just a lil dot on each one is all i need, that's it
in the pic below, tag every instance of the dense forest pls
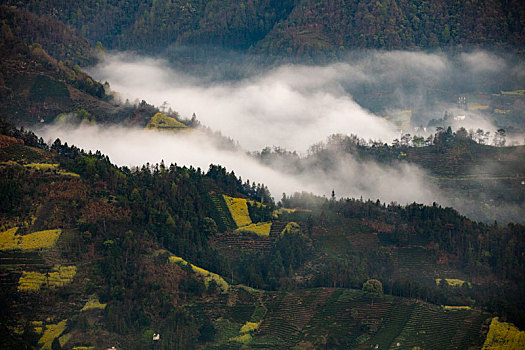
(291, 28)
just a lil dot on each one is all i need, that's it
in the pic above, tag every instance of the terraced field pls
(238, 210)
(236, 242)
(221, 213)
(10, 240)
(348, 319)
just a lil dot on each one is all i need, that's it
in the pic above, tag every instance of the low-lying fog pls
(295, 106)
(290, 106)
(135, 147)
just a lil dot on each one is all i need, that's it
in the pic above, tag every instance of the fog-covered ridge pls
(294, 106)
(348, 177)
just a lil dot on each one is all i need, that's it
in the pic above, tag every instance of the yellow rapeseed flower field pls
(37, 326)
(249, 327)
(8, 239)
(277, 212)
(291, 227)
(32, 281)
(455, 308)
(239, 210)
(61, 275)
(260, 228)
(515, 92)
(93, 303)
(503, 335)
(37, 240)
(64, 339)
(42, 166)
(454, 282)
(244, 338)
(52, 331)
(67, 173)
(162, 122)
(207, 275)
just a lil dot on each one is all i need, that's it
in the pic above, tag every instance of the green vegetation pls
(45, 88)
(483, 181)
(289, 27)
(354, 274)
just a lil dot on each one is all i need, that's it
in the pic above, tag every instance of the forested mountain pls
(292, 28)
(482, 181)
(95, 255)
(163, 256)
(38, 86)
(58, 39)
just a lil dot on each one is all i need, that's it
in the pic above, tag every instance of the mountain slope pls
(105, 277)
(58, 39)
(293, 28)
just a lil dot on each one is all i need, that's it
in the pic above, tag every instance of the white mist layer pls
(349, 178)
(291, 106)
(295, 106)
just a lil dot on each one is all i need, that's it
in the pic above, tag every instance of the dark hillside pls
(36, 88)
(301, 28)
(56, 38)
(95, 255)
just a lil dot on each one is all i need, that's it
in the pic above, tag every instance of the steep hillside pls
(56, 38)
(39, 88)
(292, 28)
(100, 256)
(326, 27)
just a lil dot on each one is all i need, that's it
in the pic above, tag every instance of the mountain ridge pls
(303, 28)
